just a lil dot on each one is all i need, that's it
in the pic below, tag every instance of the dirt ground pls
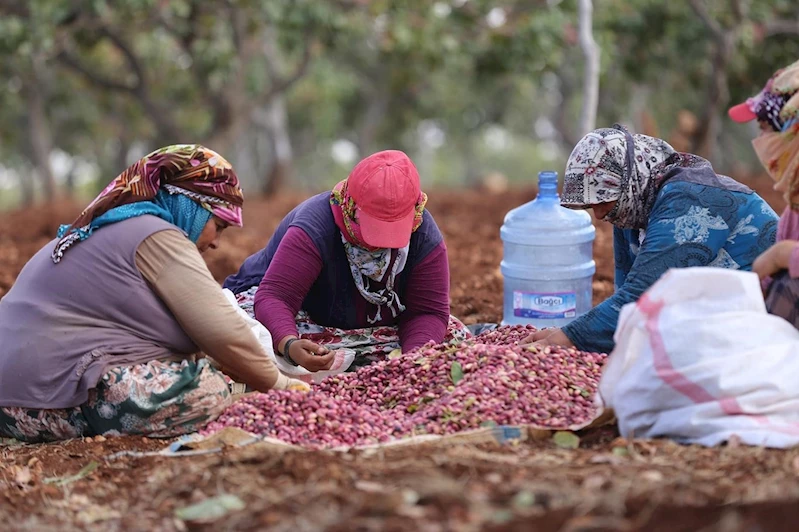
(606, 484)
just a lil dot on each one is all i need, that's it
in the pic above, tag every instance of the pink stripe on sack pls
(666, 371)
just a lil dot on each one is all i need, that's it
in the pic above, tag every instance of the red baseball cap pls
(776, 104)
(742, 112)
(385, 188)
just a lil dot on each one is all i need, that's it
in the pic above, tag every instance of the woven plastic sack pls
(699, 360)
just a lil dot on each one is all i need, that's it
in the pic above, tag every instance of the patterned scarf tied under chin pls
(184, 184)
(610, 164)
(374, 270)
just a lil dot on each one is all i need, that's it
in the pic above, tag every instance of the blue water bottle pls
(548, 260)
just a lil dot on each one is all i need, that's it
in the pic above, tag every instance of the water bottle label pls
(544, 306)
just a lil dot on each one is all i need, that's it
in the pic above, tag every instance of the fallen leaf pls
(523, 499)
(566, 440)
(594, 482)
(84, 472)
(94, 514)
(456, 372)
(23, 476)
(501, 517)
(371, 487)
(621, 451)
(210, 509)
(493, 478)
(612, 459)
(652, 476)
(395, 354)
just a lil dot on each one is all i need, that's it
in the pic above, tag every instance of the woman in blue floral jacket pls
(669, 210)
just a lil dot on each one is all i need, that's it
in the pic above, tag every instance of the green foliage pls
(122, 77)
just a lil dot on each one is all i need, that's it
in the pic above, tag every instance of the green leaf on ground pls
(210, 509)
(566, 440)
(63, 481)
(523, 499)
(456, 372)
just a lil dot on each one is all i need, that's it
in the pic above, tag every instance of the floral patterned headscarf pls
(188, 170)
(777, 106)
(610, 164)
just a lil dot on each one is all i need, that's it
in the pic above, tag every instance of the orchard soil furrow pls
(606, 484)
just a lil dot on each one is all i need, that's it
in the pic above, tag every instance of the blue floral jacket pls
(690, 225)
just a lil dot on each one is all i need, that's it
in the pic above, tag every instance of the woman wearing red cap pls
(361, 267)
(776, 108)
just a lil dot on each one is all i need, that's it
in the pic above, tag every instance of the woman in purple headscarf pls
(104, 330)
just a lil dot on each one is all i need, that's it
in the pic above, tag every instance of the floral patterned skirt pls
(156, 399)
(369, 343)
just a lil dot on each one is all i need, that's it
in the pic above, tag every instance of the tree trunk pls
(26, 188)
(39, 133)
(705, 143)
(376, 109)
(591, 74)
(276, 123)
(473, 170)
(69, 181)
(564, 124)
(121, 158)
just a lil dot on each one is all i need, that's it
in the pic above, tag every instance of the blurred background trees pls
(294, 92)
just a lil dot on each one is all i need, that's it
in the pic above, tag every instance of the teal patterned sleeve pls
(622, 255)
(686, 228)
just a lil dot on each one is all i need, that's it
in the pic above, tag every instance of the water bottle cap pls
(548, 183)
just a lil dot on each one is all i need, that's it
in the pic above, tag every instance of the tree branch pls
(591, 73)
(237, 23)
(14, 7)
(281, 82)
(781, 27)
(92, 77)
(740, 9)
(285, 83)
(159, 114)
(715, 28)
(130, 57)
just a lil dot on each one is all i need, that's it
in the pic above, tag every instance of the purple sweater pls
(304, 266)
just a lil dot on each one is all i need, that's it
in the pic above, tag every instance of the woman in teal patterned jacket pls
(669, 210)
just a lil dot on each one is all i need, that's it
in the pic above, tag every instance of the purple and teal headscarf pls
(184, 184)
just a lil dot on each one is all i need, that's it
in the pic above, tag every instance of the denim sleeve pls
(681, 233)
(622, 256)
